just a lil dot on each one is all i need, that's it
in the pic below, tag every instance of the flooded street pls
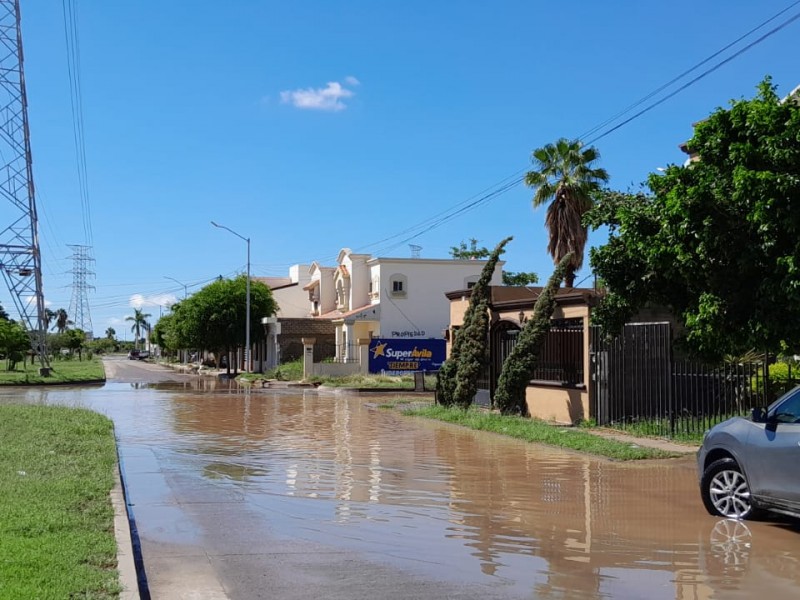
(273, 494)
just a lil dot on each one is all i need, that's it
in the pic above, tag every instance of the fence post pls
(766, 398)
(670, 377)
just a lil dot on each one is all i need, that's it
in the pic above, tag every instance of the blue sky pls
(312, 126)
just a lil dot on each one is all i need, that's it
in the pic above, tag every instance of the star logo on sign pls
(379, 350)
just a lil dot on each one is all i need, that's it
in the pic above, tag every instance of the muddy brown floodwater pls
(299, 495)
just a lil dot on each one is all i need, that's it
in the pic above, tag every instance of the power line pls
(661, 88)
(698, 78)
(72, 37)
(511, 181)
(504, 185)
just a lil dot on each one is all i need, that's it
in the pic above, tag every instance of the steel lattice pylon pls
(20, 260)
(79, 304)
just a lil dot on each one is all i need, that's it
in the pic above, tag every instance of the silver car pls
(750, 465)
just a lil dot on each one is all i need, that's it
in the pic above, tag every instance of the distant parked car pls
(138, 354)
(749, 465)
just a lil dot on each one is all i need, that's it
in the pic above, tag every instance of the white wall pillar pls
(349, 341)
(308, 357)
(363, 355)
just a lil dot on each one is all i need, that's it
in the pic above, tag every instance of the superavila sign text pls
(391, 355)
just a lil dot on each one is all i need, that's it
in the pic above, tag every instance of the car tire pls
(725, 490)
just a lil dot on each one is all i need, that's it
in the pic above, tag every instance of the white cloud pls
(330, 98)
(139, 301)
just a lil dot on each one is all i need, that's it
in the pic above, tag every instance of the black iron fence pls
(637, 384)
(561, 356)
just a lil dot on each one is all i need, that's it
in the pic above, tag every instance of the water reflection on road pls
(434, 500)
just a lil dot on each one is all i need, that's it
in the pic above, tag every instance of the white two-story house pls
(368, 297)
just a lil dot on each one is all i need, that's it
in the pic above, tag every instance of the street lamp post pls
(247, 315)
(185, 294)
(185, 351)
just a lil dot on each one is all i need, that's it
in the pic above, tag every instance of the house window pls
(469, 282)
(399, 285)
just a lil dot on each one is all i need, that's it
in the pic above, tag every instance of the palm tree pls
(49, 315)
(62, 320)
(139, 322)
(565, 177)
(110, 333)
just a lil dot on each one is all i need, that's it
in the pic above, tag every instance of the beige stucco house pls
(559, 390)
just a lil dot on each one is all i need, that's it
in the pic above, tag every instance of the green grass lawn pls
(63, 371)
(534, 430)
(686, 429)
(56, 519)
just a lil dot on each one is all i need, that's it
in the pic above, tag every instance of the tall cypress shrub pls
(519, 365)
(471, 339)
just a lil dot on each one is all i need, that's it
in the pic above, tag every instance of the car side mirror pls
(759, 415)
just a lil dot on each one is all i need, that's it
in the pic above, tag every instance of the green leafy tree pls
(469, 252)
(520, 363)
(103, 345)
(451, 371)
(472, 251)
(165, 335)
(214, 318)
(520, 279)
(14, 341)
(75, 340)
(111, 333)
(718, 241)
(140, 323)
(564, 176)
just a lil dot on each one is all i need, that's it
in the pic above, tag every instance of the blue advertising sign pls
(405, 355)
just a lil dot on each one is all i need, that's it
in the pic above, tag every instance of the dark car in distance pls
(138, 354)
(749, 465)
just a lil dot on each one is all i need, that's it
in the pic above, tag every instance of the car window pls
(787, 410)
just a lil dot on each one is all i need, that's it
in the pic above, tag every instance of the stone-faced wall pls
(293, 330)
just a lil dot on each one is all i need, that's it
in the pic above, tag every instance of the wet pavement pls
(272, 494)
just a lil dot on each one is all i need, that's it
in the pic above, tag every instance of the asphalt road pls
(295, 495)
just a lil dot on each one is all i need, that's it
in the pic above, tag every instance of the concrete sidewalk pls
(657, 443)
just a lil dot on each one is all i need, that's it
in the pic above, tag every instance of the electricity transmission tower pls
(20, 260)
(79, 304)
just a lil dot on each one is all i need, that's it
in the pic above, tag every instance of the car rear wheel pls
(725, 490)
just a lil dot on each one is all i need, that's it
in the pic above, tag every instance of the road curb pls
(126, 566)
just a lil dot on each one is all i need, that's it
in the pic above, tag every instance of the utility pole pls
(79, 304)
(20, 258)
(247, 308)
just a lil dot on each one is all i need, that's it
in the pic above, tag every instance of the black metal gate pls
(631, 373)
(502, 338)
(634, 380)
